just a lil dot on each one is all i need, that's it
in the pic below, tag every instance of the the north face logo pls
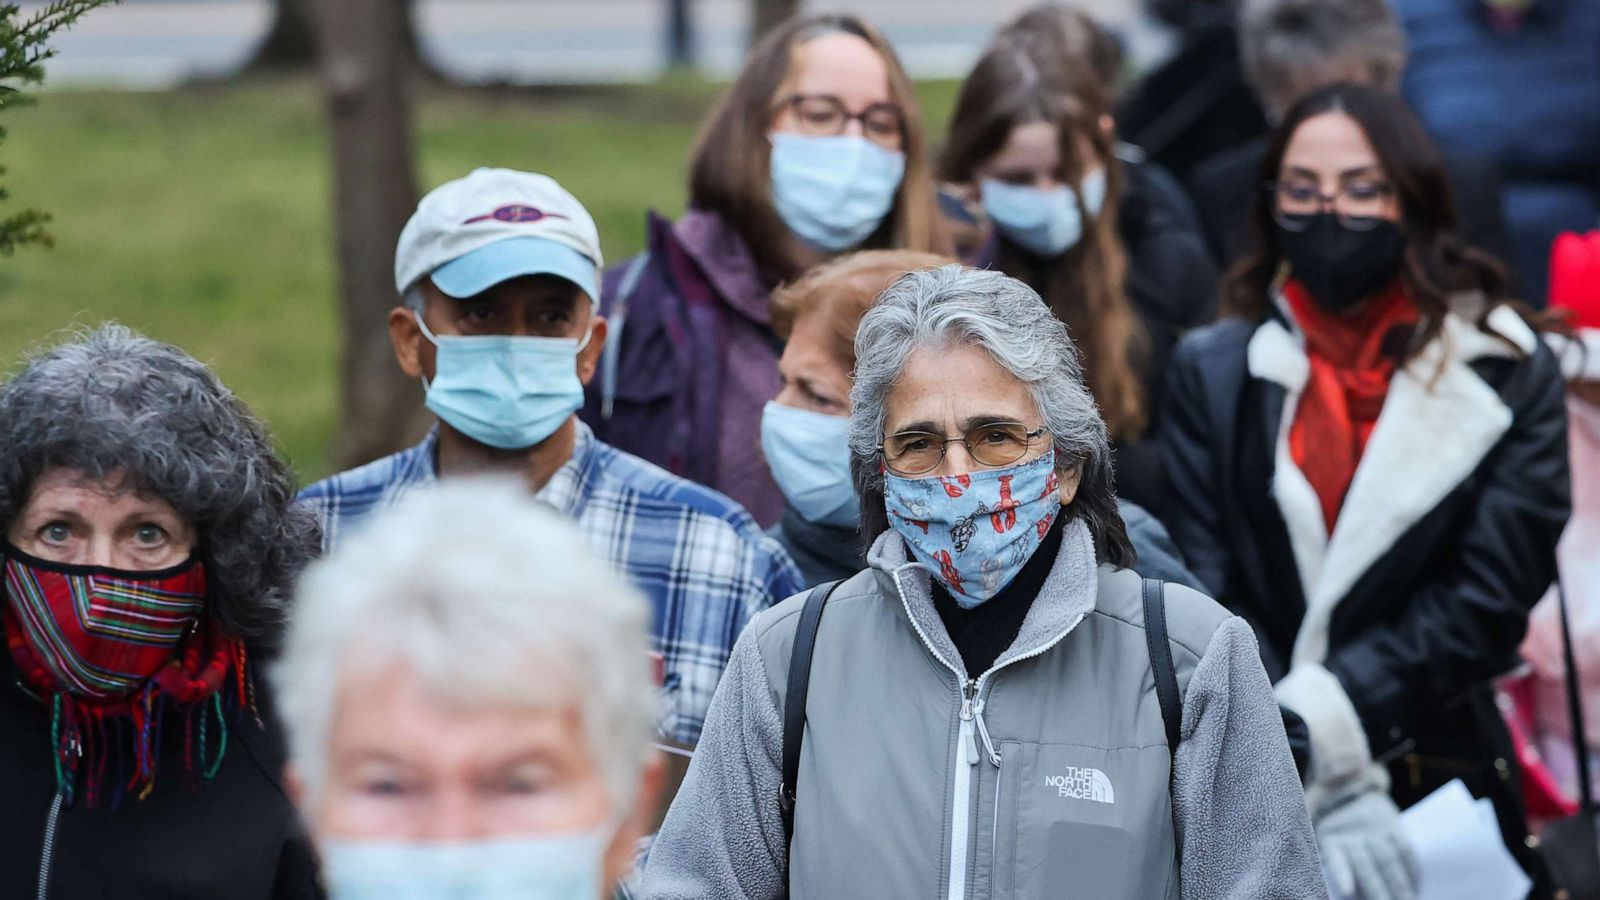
(1083, 784)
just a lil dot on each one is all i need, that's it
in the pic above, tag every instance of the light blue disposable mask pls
(505, 391)
(809, 454)
(833, 191)
(1045, 223)
(976, 531)
(563, 867)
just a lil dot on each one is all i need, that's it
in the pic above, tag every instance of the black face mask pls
(1340, 266)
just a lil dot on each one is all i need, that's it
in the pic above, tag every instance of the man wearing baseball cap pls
(498, 274)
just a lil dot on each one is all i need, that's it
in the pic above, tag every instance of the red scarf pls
(110, 652)
(1352, 361)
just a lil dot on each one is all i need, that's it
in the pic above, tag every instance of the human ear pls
(1070, 480)
(407, 339)
(589, 356)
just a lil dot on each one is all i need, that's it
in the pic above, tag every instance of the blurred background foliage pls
(201, 215)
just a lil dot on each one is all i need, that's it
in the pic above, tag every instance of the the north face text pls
(1082, 784)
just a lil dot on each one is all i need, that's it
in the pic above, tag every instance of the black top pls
(1194, 104)
(235, 837)
(823, 553)
(1172, 287)
(987, 630)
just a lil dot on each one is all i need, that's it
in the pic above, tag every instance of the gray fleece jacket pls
(1047, 776)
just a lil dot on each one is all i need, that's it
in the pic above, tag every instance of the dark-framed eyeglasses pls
(825, 115)
(993, 444)
(1360, 204)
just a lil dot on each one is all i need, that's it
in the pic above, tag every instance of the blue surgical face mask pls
(562, 867)
(976, 531)
(809, 454)
(504, 391)
(833, 191)
(1045, 223)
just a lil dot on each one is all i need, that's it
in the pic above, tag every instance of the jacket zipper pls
(966, 752)
(46, 857)
(966, 756)
(972, 725)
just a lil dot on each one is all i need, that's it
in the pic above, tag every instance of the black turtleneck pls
(984, 632)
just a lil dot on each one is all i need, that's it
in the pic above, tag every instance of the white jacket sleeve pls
(1241, 818)
(723, 835)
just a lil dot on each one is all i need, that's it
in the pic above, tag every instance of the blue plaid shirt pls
(699, 558)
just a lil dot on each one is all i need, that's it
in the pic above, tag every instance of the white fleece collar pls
(1438, 422)
(1580, 356)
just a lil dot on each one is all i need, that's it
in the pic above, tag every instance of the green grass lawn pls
(201, 216)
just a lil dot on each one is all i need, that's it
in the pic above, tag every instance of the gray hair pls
(488, 597)
(954, 305)
(118, 406)
(1290, 48)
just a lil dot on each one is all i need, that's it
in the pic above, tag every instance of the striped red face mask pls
(97, 633)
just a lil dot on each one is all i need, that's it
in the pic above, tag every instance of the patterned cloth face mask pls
(98, 633)
(975, 531)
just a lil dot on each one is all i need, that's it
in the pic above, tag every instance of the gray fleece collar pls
(1067, 596)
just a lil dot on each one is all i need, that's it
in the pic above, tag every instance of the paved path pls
(156, 43)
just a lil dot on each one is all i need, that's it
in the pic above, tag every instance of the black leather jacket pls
(1441, 607)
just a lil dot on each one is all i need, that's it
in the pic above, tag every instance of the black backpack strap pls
(794, 702)
(1155, 635)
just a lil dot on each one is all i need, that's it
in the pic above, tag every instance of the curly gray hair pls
(952, 304)
(111, 403)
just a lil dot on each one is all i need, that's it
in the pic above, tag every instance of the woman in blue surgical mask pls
(815, 150)
(804, 429)
(1030, 163)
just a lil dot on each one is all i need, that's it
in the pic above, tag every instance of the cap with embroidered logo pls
(493, 225)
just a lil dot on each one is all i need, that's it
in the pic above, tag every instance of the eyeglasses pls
(826, 115)
(1360, 203)
(994, 444)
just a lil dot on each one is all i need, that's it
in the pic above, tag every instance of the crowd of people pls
(1110, 497)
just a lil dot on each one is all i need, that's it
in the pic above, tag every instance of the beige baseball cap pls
(493, 225)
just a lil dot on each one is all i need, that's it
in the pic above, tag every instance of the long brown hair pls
(1439, 265)
(729, 171)
(1085, 286)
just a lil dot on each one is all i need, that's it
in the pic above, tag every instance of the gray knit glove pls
(1365, 854)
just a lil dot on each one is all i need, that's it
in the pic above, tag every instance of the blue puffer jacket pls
(1525, 94)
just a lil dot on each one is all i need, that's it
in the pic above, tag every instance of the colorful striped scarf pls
(110, 651)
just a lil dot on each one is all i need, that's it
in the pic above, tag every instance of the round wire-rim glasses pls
(992, 444)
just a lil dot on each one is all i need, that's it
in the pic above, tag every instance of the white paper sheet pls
(1458, 847)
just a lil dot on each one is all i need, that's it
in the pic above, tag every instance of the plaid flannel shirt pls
(698, 557)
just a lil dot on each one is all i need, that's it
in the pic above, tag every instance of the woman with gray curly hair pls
(149, 539)
(988, 710)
